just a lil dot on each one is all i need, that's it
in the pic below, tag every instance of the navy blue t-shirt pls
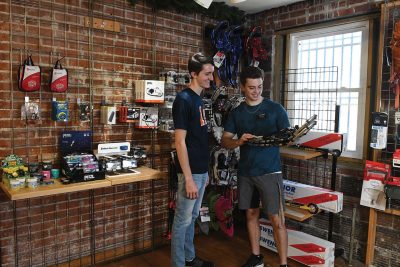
(266, 118)
(188, 114)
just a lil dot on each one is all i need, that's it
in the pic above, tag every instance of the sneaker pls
(197, 262)
(254, 261)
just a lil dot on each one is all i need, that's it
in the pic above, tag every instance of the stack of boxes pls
(304, 248)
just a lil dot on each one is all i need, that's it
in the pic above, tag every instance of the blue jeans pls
(186, 213)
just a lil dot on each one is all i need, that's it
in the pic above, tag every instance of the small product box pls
(148, 118)
(149, 91)
(59, 110)
(108, 114)
(373, 189)
(309, 195)
(128, 113)
(78, 163)
(304, 248)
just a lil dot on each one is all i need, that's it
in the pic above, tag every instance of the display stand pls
(146, 174)
(301, 154)
(388, 15)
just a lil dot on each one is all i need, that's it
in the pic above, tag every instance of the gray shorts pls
(268, 187)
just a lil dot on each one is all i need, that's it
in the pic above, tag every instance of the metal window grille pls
(311, 91)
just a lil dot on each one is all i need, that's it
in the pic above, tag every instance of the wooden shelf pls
(296, 153)
(392, 211)
(53, 189)
(297, 214)
(144, 174)
(59, 188)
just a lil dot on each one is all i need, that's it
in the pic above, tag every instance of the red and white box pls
(321, 140)
(308, 195)
(302, 247)
(373, 189)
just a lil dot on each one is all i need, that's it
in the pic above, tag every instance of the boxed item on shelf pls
(115, 159)
(108, 114)
(322, 140)
(309, 195)
(148, 118)
(373, 189)
(149, 91)
(302, 247)
(128, 113)
(78, 163)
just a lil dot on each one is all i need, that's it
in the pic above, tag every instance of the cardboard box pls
(321, 140)
(149, 91)
(373, 189)
(308, 195)
(302, 247)
(108, 114)
(148, 118)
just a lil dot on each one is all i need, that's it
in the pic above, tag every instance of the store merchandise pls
(302, 247)
(30, 111)
(148, 118)
(78, 162)
(149, 91)
(373, 189)
(108, 114)
(312, 198)
(115, 158)
(84, 111)
(58, 78)
(14, 172)
(59, 111)
(29, 76)
(128, 113)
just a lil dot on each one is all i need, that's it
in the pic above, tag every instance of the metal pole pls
(353, 226)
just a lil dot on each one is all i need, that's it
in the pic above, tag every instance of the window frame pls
(364, 27)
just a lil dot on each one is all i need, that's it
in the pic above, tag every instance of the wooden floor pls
(222, 250)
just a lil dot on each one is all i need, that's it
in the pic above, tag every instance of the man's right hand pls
(191, 189)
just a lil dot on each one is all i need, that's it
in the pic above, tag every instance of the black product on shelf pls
(78, 163)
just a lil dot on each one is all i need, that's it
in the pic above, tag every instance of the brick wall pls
(349, 176)
(102, 66)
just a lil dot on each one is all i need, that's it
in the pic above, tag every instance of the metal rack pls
(306, 92)
(105, 220)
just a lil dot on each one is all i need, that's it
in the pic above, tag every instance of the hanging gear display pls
(224, 212)
(58, 78)
(84, 111)
(223, 166)
(284, 136)
(227, 41)
(255, 53)
(30, 111)
(379, 130)
(221, 106)
(29, 76)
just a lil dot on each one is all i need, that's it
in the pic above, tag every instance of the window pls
(345, 49)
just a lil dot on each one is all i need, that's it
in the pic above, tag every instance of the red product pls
(58, 78)
(29, 76)
(376, 171)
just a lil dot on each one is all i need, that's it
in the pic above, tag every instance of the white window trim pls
(362, 26)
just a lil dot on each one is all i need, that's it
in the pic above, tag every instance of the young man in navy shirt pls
(191, 141)
(259, 175)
